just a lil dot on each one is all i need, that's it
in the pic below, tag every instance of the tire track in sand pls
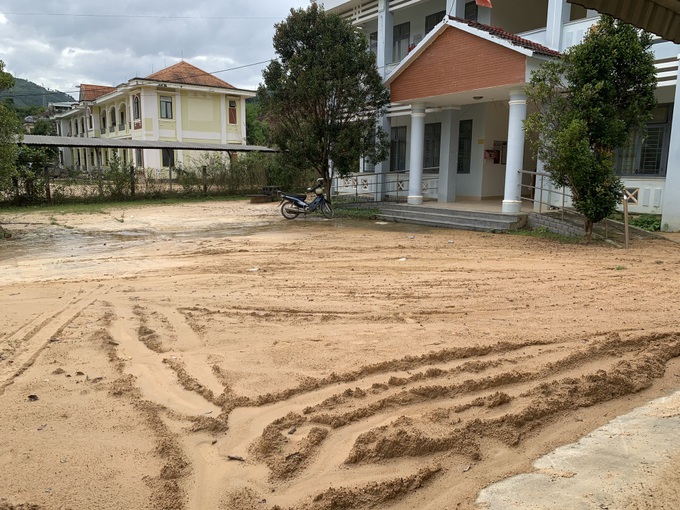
(155, 379)
(38, 338)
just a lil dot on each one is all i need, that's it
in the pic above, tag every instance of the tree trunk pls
(588, 225)
(326, 174)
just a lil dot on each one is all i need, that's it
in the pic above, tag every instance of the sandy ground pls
(217, 356)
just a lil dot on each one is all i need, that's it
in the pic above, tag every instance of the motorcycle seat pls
(295, 195)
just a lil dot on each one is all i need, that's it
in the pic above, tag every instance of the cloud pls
(65, 43)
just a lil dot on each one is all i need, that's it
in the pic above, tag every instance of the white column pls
(224, 115)
(385, 36)
(415, 179)
(448, 159)
(242, 120)
(558, 15)
(512, 201)
(382, 169)
(178, 117)
(671, 193)
(179, 129)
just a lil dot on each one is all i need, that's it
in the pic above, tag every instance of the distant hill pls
(26, 93)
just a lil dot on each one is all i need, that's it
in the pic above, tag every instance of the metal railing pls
(379, 187)
(545, 188)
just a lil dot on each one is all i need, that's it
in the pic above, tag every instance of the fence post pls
(204, 171)
(48, 193)
(132, 180)
(99, 171)
(625, 219)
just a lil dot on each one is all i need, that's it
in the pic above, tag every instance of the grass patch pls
(544, 233)
(359, 213)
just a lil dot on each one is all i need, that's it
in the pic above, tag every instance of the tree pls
(256, 129)
(323, 96)
(8, 130)
(588, 104)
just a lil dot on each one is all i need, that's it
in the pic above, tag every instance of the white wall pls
(470, 185)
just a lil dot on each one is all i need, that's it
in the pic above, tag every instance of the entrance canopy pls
(660, 17)
(114, 143)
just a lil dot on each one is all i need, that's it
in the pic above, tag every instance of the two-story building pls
(180, 103)
(457, 72)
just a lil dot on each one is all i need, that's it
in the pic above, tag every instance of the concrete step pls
(450, 218)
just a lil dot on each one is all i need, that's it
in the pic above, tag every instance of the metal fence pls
(381, 187)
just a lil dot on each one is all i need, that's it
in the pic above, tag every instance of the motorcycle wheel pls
(289, 211)
(327, 210)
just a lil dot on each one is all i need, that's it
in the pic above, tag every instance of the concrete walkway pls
(630, 463)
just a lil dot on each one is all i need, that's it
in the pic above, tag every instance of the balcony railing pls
(121, 126)
(103, 130)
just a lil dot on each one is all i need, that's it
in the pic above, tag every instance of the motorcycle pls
(292, 205)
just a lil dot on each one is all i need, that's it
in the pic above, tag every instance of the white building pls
(180, 103)
(457, 71)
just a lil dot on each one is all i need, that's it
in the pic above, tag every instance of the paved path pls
(630, 463)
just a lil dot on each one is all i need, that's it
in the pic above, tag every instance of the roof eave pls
(135, 82)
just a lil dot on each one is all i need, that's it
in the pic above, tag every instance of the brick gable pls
(456, 62)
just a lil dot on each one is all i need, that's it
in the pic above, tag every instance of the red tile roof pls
(92, 92)
(512, 38)
(184, 72)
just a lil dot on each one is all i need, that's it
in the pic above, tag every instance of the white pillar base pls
(414, 200)
(512, 206)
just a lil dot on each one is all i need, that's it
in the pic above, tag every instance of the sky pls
(60, 45)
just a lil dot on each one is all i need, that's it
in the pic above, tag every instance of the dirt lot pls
(217, 356)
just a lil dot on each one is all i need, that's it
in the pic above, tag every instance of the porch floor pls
(489, 206)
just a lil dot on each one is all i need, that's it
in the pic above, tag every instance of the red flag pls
(484, 3)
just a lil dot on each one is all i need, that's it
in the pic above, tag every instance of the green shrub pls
(650, 222)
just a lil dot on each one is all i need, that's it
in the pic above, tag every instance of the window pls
(112, 118)
(168, 156)
(398, 149)
(373, 42)
(648, 156)
(122, 118)
(471, 11)
(75, 127)
(139, 156)
(402, 34)
(464, 146)
(433, 140)
(232, 112)
(433, 19)
(166, 107)
(136, 112)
